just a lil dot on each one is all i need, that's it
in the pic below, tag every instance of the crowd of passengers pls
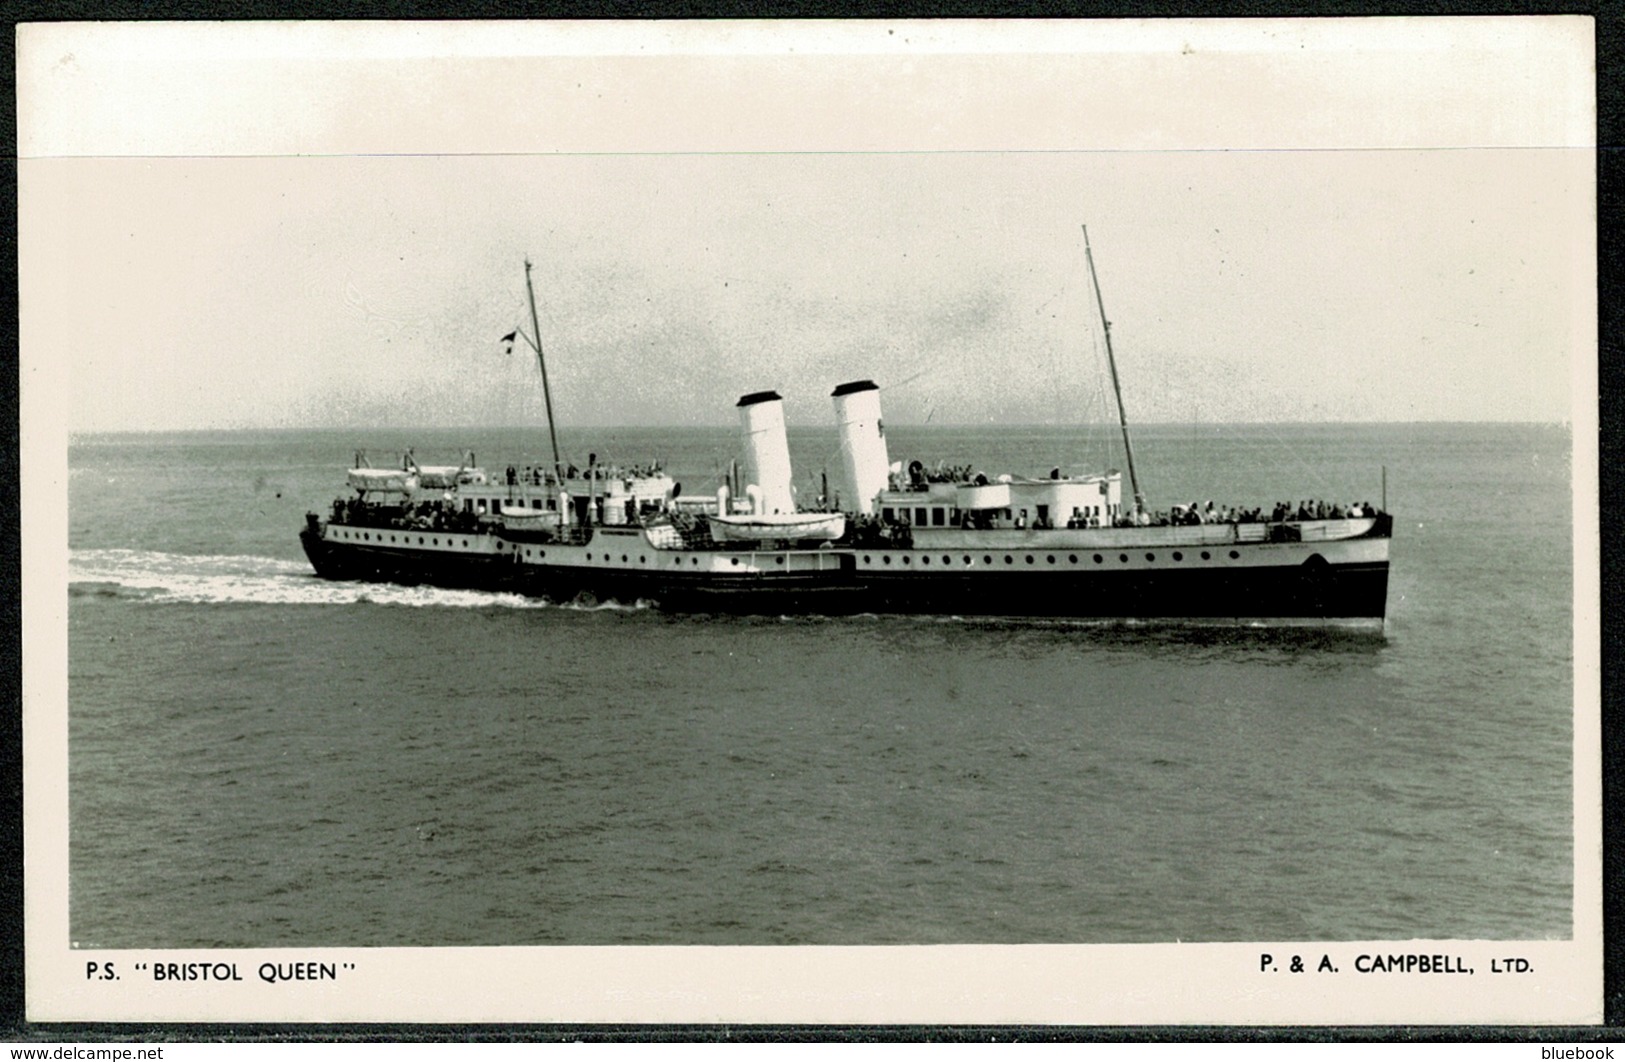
(1283, 512)
(949, 474)
(423, 516)
(537, 475)
(872, 529)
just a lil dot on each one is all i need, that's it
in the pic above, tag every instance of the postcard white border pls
(97, 90)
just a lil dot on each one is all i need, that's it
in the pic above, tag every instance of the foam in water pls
(213, 579)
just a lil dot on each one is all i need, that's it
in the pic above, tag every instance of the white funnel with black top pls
(864, 464)
(767, 451)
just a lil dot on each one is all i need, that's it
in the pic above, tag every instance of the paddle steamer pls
(888, 539)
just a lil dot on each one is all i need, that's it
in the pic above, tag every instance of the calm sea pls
(260, 758)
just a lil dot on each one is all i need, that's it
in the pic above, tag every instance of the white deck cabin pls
(1007, 503)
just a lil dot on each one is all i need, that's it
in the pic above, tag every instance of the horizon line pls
(73, 432)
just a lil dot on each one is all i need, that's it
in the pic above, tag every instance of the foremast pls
(547, 392)
(1117, 388)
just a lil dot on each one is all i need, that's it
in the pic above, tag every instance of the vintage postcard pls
(1077, 522)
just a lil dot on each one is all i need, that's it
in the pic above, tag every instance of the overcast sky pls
(305, 228)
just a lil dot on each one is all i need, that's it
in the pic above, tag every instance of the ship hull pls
(811, 595)
(407, 567)
(1294, 582)
(1261, 593)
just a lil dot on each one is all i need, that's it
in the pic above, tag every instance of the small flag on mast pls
(508, 339)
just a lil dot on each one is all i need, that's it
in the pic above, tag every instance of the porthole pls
(967, 558)
(867, 559)
(1099, 558)
(1123, 557)
(642, 558)
(1206, 555)
(589, 556)
(1072, 558)
(905, 558)
(1030, 559)
(1234, 555)
(776, 560)
(695, 561)
(925, 560)
(420, 540)
(1151, 556)
(392, 538)
(1049, 560)
(986, 559)
(734, 561)
(623, 558)
(886, 559)
(541, 553)
(436, 541)
(1178, 556)
(1009, 559)
(364, 537)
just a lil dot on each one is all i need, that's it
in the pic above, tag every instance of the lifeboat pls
(777, 527)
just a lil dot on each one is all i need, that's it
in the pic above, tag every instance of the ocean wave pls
(220, 579)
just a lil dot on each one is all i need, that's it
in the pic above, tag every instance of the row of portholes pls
(925, 560)
(1072, 558)
(406, 540)
(676, 561)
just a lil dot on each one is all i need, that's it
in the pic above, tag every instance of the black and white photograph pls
(1056, 522)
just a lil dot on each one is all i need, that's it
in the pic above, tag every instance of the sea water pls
(262, 758)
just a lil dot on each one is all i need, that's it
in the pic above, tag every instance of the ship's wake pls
(213, 579)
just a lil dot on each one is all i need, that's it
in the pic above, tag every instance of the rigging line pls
(1318, 477)
(904, 383)
(1096, 408)
(1069, 401)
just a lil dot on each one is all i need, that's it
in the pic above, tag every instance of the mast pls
(1117, 388)
(547, 393)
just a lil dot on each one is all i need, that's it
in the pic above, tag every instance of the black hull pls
(811, 595)
(1312, 592)
(343, 561)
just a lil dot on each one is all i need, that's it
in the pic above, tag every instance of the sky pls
(299, 226)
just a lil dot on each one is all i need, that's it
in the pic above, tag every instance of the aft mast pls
(1117, 389)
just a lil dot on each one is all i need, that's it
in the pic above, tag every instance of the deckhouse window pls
(938, 517)
(496, 505)
(920, 517)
